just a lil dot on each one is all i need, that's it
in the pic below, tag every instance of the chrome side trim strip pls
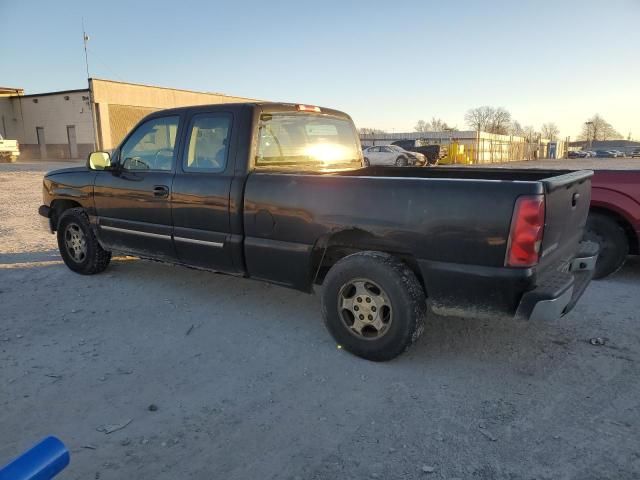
(199, 242)
(136, 232)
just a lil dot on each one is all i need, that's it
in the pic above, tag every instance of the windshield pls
(396, 148)
(305, 141)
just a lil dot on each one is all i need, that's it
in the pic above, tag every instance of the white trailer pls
(9, 150)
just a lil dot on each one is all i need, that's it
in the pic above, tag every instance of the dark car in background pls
(605, 154)
(635, 153)
(433, 153)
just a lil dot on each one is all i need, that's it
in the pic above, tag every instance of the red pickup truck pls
(614, 218)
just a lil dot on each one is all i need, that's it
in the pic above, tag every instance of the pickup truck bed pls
(614, 213)
(441, 220)
(277, 192)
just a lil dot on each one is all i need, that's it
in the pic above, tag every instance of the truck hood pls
(66, 170)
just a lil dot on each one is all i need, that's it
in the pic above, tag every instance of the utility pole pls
(589, 139)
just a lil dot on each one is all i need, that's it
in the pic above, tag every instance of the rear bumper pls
(558, 292)
(499, 292)
(45, 218)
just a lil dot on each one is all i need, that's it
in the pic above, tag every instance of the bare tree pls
(516, 129)
(529, 133)
(489, 119)
(500, 121)
(550, 130)
(478, 118)
(435, 125)
(421, 126)
(370, 131)
(438, 125)
(597, 128)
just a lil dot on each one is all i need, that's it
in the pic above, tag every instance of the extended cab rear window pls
(307, 141)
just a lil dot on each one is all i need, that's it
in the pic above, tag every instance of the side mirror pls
(99, 161)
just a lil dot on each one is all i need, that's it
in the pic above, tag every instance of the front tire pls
(401, 162)
(373, 305)
(78, 244)
(612, 239)
(366, 162)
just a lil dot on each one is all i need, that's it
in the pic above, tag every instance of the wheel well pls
(330, 249)
(58, 207)
(632, 236)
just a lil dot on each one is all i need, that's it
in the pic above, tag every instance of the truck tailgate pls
(567, 199)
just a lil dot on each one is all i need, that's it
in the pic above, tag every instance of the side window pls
(208, 143)
(151, 146)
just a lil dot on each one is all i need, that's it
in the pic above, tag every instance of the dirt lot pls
(248, 384)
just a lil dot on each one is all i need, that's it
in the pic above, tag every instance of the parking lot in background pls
(157, 371)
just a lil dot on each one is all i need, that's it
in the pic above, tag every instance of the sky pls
(387, 64)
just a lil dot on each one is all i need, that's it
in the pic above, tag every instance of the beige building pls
(70, 124)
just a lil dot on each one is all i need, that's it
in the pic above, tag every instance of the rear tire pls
(78, 244)
(386, 296)
(613, 242)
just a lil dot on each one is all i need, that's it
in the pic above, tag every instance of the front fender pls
(72, 186)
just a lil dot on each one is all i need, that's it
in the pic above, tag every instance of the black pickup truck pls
(277, 192)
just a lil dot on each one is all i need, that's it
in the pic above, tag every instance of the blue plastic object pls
(43, 461)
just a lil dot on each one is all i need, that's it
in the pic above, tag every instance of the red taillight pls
(308, 108)
(527, 227)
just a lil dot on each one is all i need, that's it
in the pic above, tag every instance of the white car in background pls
(391, 155)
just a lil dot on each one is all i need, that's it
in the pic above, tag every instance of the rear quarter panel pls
(463, 222)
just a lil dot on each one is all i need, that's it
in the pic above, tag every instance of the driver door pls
(133, 200)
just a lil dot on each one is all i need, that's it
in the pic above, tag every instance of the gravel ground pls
(248, 384)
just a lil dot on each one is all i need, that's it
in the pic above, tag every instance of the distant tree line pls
(370, 131)
(435, 125)
(499, 120)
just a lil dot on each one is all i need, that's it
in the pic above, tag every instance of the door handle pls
(160, 191)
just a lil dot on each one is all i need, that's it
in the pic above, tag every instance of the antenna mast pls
(85, 39)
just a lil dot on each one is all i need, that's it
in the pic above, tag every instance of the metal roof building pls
(70, 124)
